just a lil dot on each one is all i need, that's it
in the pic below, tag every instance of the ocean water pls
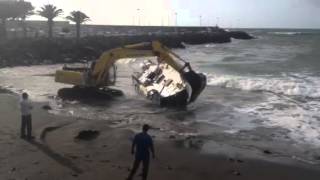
(282, 66)
(272, 82)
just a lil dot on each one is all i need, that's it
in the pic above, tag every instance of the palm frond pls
(50, 11)
(78, 17)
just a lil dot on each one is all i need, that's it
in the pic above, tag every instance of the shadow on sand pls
(55, 156)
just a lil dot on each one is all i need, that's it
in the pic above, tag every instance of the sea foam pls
(305, 86)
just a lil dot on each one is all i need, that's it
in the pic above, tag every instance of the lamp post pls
(217, 21)
(138, 10)
(176, 20)
(162, 21)
(200, 20)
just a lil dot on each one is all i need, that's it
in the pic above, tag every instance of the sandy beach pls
(56, 154)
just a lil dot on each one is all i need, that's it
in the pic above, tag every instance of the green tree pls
(78, 17)
(50, 12)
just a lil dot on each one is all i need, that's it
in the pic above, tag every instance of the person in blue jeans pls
(141, 146)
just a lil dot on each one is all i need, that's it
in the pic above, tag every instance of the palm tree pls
(25, 9)
(50, 12)
(78, 17)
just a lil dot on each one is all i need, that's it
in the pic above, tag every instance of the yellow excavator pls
(168, 81)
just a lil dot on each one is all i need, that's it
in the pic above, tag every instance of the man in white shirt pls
(26, 120)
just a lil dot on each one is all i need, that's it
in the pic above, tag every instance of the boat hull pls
(166, 87)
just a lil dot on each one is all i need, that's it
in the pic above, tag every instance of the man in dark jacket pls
(141, 146)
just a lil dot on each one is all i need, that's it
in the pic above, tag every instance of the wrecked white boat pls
(165, 86)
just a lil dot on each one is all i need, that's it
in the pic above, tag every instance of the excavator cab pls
(81, 75)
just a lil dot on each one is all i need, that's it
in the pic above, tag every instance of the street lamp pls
(162, 21)
(138, 10)
(176, 15)
(200, 20)
(217, 21)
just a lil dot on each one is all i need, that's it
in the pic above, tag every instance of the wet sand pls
(56, 154)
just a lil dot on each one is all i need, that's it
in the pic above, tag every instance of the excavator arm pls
(107, 59)
(98, 74)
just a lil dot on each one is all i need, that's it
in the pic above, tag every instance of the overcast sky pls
(227, 13)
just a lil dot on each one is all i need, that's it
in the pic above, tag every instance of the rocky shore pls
(33, 51)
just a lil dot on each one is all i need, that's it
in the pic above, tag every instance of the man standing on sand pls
(143, 144)
(26, 120)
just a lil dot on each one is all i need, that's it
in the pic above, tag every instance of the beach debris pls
(13, 169)
(71, 112)
(190, 137)
(267, 152)
(47, 107)
(236, 173)
(73, 156)
(169, 168)
(5, 91)
(74, 175)
(51, 97)
(195, 144)
(35, 162)
(239, 161)
(235, 160)
(317, 157)
(105, 161)
(87, 135)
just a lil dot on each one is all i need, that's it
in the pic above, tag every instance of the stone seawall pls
(61, 50)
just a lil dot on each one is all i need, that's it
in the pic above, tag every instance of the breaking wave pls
(293, 33)
(291, 85)
(287, 33)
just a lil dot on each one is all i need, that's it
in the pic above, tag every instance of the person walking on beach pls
(26, 119)
(141, 146)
